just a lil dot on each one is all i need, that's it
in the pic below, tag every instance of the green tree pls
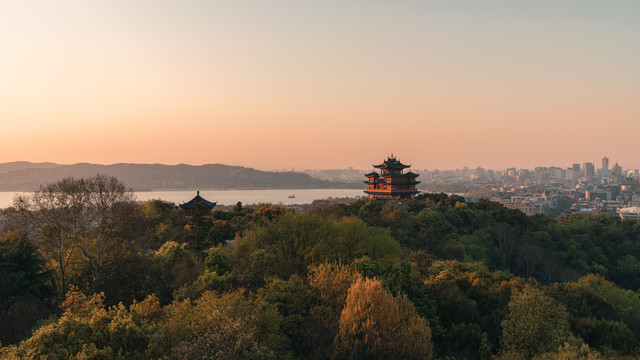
(608, 336)
(293, 300)
(289, 243)
(535, 323)
(157, 222)
(626, 301)
(198, 229)
(569, 352)
(174, 266)
(87, 329)
(216, 326)
(26, 287)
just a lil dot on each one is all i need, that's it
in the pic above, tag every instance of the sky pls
(301, 84)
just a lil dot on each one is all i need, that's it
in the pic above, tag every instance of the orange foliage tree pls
(374, 324)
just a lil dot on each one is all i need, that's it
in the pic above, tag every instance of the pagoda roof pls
(391, 163)
(373, 173)
(198, 200)
(408, 174)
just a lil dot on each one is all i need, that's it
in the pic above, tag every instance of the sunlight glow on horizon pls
(320, 85)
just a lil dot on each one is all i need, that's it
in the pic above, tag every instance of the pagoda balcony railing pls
(392, 190)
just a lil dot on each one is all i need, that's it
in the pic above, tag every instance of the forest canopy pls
(86, 271)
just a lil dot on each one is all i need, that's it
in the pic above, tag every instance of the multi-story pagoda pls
(197, 202)
(392, 182)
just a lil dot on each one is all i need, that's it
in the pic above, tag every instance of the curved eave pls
(400, 175)
(390, 192)
(394, 166)
(191, 206)
(198, 200)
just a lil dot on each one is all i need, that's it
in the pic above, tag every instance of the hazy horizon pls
(597, 164)
(321, 85)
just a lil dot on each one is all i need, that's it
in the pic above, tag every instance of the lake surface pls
(231, 197)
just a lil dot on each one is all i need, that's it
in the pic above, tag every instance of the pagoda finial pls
(198, 192)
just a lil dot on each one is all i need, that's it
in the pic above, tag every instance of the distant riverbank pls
(231, 197)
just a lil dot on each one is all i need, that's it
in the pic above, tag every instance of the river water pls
(231, 197)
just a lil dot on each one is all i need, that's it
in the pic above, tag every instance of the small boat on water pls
(292, 196)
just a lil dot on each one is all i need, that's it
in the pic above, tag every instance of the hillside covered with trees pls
(25, 176)
(86, 272)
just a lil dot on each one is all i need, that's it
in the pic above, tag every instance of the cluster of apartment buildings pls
(581, 188)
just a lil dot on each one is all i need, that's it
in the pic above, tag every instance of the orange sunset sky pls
(321, 84)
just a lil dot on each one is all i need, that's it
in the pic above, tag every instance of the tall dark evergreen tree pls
(26, 288)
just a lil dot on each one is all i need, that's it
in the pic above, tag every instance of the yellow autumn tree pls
(332, 282)
(375, 325)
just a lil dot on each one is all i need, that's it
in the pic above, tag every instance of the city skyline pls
(320, 85)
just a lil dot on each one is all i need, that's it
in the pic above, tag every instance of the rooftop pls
(198, 200)
(391, 163)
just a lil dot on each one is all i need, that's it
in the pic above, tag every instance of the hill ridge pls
(25, 176)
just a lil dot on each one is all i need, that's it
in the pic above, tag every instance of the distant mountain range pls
(26, 176)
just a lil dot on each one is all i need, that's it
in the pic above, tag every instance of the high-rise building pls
(616, 170)
(576, 171)
(589, 169)
(605, 163)
(556, 173)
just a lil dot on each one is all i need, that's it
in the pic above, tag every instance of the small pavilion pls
(189, 207)
(392, 182)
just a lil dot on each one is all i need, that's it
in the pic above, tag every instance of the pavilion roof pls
(198, 200)
(391, 163)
